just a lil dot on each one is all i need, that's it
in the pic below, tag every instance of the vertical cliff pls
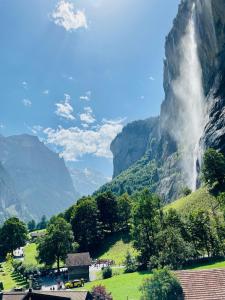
(192, 114)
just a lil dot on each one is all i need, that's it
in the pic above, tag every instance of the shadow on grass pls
(18, 279)
(204, 263)
(109, 241)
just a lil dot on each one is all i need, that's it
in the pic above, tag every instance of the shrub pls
(130, 263)
(99, 292)
(163, 285)
(106, 272)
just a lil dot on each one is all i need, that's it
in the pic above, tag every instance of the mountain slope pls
(40, 177)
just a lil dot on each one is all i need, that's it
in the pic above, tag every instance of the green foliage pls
(107, 206)
(213, 167)
(163, 285)
(146, 218)
(13, 235)
(130, 263)
(124, 206)
(106, 272)
(186, 191)
(142, 174)
(56, 244)
(86, 226)
(31, 225)
(43, 224)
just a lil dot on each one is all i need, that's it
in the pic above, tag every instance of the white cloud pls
(151, 78)
(25, 84)
(86, 97)
(65, 15)
(142, 97)
(27, 102)
(64, 109)
(36, 129)
(46, 92)
(76, 142)
(2, 126)
(87, 116)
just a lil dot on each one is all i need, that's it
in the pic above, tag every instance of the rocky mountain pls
(86, 181)
(34, 180)
(192, 118)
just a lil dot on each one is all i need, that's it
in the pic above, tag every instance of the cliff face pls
(40, 178)
(122, 147)
(192, 114)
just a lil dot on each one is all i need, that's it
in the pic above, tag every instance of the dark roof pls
(203, 284)
(65, 295)
(78, 259)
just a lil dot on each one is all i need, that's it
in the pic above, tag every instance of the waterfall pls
(189, 99)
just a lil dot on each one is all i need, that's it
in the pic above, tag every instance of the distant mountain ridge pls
(86, 181)
(34, 179)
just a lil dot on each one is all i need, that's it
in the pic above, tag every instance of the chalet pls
(78, 265)
(37, 234)
(46, 295)
(203, 284)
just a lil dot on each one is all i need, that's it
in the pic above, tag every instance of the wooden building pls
(78, 265)
(202, 284)
(46, 295)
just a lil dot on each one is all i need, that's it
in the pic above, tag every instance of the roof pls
(78, 259)
(37, 233)
(65, 295)
(203, 284)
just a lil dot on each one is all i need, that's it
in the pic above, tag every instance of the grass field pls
(201, 199)
(30, 254)
(127, 285)
(122, 287)
(9, 278)
(115, 247)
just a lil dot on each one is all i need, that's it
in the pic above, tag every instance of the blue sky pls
(74, 72)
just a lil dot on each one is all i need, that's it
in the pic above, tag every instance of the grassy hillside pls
(201, 199)
(115, 247)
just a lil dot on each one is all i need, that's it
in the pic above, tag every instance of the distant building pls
(78, 265)
(36, 234)
(46, 295)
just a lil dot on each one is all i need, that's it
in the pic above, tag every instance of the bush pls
(107, 272)
(99, 292)
(163, 285)
(130, 263)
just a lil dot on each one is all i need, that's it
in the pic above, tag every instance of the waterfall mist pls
(189, 97)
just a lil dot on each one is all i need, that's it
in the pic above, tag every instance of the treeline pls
(162, 237)
(94, 218)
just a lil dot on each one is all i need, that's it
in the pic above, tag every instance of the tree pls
(201, 235)
(146, 223)
(173, 250)
(56, 244)
(43, 224)
(107, 206)
(31, 225)
(13, 235)
(86, 226)
(163, 285)
(99, 293)
(124, 212)
(130, 263)
(213, 167)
